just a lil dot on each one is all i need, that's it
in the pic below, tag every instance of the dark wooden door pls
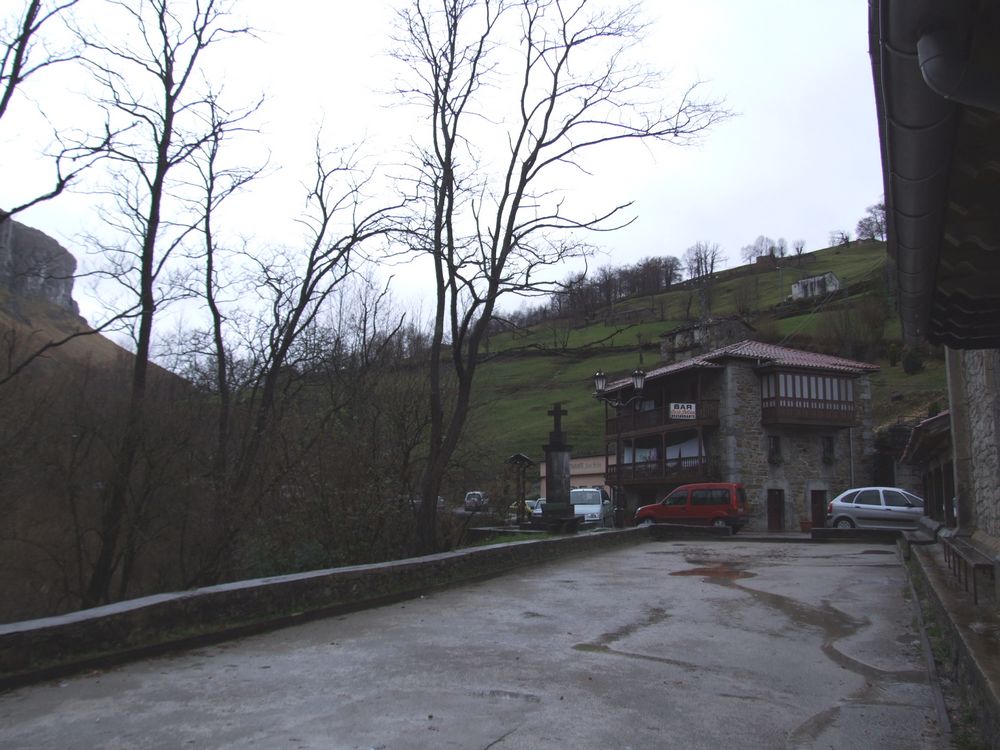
(817, 502)
(775, 510)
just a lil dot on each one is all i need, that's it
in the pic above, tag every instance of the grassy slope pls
(517, 388)
(35, 322)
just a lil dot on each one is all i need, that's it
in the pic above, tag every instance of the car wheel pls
(843, 523)
(644, 522)
(719, 523)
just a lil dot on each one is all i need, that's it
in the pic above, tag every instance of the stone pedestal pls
(557, 513)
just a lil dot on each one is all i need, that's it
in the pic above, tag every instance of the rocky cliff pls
(32, 264)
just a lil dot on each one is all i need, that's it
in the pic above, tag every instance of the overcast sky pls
(799, 160)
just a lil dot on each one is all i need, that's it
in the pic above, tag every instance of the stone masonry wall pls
(802, 468)
(981, 369)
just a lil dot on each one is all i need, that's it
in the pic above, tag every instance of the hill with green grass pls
(527, 371)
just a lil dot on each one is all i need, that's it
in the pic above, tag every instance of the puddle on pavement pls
(722, 571)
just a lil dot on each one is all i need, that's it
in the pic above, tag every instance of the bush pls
(893, 354)
(913, 361)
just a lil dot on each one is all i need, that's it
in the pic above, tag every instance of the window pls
(894, 499)
(676, 498)
(868, 497)
(900, 499)
(828, 445)
(709, 497)
(774, 449)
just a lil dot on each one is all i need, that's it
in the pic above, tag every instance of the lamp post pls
(618, 403)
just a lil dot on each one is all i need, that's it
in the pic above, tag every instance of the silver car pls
(592, 507)
(875, 508)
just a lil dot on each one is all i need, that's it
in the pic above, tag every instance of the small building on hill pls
(794, 427)
(815, 286)
(702, 336)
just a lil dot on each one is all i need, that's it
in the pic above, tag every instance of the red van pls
(700, 504)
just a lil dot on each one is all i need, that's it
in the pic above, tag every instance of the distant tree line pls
(581, 295)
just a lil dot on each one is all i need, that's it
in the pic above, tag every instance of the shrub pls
(913, 361)
(893, 354)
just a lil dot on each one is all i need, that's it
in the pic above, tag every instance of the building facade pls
(936, 70)
(794, 427)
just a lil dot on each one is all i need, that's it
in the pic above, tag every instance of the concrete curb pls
(52, 647)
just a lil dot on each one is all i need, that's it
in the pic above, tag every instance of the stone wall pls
(153, 624)
(981, 370)
(802, 467)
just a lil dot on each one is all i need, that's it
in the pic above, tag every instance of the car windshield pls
(585, 497)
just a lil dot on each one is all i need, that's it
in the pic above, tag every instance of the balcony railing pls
(807, 411)
(670, 469)
(636, 421)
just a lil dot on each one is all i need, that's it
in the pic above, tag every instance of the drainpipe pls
(948, 71)
(850, 443)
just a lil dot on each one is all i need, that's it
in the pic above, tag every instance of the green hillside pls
(554, 362)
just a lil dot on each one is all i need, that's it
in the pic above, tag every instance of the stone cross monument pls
(557, 512)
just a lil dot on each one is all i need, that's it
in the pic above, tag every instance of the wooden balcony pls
(678, 470)
(784, 410)
(706, 413)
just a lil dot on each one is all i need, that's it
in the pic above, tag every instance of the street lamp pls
(618, 403)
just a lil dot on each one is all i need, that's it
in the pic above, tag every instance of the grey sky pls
(801, 159)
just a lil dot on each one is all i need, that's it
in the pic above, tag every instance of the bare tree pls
(871, 226)
(799, 246)
(553, 75)
(701, 259)
(150, 77)
(839, 237)
(24, 53)
(292, 289)
(763, 245)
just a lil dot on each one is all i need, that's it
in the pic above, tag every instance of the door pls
(674, 508)
(775, 510)
(817, 504)
(868, 509)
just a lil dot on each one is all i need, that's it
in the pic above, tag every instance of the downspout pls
(850, 445)
(948, 71)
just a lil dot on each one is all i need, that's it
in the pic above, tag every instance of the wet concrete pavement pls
(693, 644)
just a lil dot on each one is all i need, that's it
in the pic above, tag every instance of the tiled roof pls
(764, 354)
(783, 356)
(939, 136)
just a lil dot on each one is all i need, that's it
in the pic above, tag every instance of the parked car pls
(592, 507)
(536, 511)
(875, 508)
(699, 504)
(416, 503)
(529, 506)
(476, 500)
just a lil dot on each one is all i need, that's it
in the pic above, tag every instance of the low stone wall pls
(48, 647)
(970, 633)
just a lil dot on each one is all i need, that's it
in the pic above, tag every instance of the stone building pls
(936, 71)
(585, 471)
(701, 336)
(929, 449)
(794, 427)
(815, 286)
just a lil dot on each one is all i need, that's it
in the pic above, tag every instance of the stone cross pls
(557, 440)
